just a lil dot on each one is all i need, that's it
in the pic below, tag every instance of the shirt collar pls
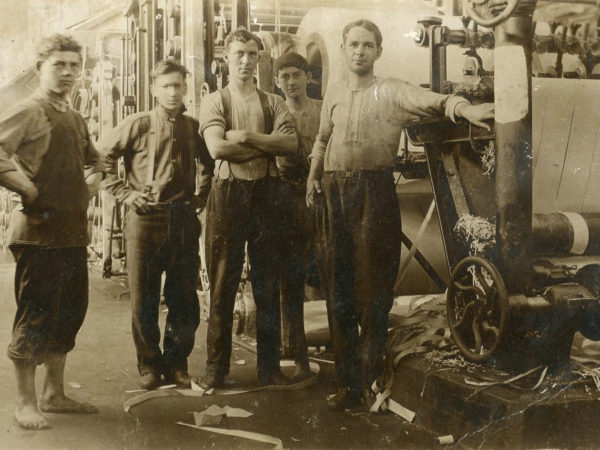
(162, 112)
(59, 105)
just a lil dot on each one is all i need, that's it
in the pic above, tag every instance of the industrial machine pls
(518, 208)
(521, 283)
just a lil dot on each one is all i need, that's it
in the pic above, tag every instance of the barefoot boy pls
(45, 155)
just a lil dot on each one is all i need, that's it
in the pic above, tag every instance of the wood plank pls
(553, 144)
(591, 201)
(538, 106)
(580, 151)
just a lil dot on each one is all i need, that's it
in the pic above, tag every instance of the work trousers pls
(163, 242)
(51, 289)
(359, 240)
(240, 211)
(296, 232)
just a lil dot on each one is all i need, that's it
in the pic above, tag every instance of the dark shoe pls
(180, 377)
(211, 380)
(368, 398)
(302, 372)
(344, 398)
(150, 380)
(275, 378)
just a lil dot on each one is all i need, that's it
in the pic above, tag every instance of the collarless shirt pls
(360, 128)
(246, 114)
(177, 145)
(25, 135)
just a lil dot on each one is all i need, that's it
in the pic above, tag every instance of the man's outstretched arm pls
(476, 114)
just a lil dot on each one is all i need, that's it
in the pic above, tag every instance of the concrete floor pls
(102, 368)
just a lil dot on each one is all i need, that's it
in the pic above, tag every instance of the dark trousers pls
(157, 243)
(296, 227)
(51, 289)
(240, 211)
(360, 243)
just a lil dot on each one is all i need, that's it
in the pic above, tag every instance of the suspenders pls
(152, 145)
(266, 110)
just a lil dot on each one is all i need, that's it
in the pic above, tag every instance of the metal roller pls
(566, 233)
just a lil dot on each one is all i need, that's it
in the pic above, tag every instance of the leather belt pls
(359, 174)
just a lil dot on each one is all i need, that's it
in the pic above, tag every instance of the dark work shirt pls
(49, 143)
(179, 149)
(25, 135)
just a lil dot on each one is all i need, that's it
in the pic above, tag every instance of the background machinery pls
(522, 281)
(516, 235)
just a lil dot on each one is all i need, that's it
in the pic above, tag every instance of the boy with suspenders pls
(245, 129)
(161, 149)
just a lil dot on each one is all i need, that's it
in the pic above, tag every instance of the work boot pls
(150, 380)
(180, 377)
(344, 398)
(211, 380)
(302, 372)
(274, 378)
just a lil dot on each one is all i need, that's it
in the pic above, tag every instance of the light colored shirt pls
(360, 129)
(307, 126)
(246, 115)
(179, 146)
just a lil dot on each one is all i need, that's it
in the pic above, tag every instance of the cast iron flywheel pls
(477, 307)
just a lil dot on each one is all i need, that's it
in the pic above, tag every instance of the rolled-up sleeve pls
(206, 167)
(451, 104)
(111, 147)
(211, 112)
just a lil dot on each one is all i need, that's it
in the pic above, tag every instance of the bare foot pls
(29, 418)
(65, 405)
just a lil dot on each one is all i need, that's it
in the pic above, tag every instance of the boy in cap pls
(292, 76)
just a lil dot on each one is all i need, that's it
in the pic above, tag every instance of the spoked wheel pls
(477, 307)
(483, 12)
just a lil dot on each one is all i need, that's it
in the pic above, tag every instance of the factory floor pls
(102, 369)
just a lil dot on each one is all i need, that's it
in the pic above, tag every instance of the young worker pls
(47, 158)
(162, 150)
(292, 77)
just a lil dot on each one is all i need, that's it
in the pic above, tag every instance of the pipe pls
(513, 184)
(566, 233)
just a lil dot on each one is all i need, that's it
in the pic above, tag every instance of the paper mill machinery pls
(521, 283)
(520, 239)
